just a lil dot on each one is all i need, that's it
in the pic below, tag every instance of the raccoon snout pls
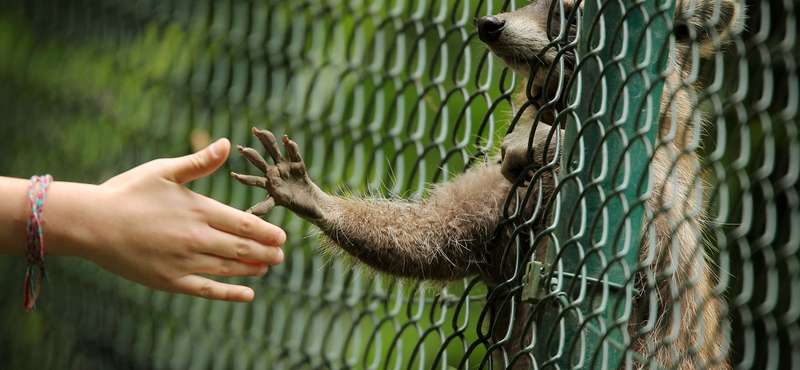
(490, 28)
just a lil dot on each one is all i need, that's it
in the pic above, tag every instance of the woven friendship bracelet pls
(34, 240)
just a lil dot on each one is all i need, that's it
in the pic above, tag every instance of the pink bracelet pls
(34, 240)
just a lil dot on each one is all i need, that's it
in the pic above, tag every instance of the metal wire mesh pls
(385, 98)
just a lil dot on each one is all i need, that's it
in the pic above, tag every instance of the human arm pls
(144, 225)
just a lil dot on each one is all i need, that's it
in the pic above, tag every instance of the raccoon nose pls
(490, 28)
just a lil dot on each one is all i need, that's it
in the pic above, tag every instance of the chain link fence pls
(387, 97)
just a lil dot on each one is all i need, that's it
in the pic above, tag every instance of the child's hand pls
(149, 228)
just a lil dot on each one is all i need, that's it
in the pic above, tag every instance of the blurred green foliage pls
(81, 111)
(88, 90)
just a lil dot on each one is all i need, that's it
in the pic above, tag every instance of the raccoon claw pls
(286, 180)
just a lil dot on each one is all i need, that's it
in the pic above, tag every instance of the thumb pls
(194, 166)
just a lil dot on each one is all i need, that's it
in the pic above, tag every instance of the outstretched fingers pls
(262, 207)
(249, 180)
(292, 150)
(254, 157)
(206, 288)
(270, 144)
(242, 233)
(294, 166)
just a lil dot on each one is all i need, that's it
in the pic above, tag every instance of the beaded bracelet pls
(34, 240)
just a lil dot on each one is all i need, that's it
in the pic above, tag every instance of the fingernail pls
(279, 255)
(215, 148)
(263, 270)
(282, 238)
(247, 294)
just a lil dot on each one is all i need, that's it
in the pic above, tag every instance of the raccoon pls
(460, 229)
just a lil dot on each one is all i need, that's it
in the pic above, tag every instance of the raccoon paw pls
(286, 181)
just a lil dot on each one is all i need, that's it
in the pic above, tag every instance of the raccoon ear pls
(708, 24)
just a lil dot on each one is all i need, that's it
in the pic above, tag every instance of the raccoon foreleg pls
(445, 236)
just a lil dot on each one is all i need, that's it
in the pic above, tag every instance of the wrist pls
(15, 211)
(67, 221)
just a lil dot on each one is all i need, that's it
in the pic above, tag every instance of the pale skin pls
(145, 226)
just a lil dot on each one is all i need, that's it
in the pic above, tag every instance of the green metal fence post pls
(593, 252)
